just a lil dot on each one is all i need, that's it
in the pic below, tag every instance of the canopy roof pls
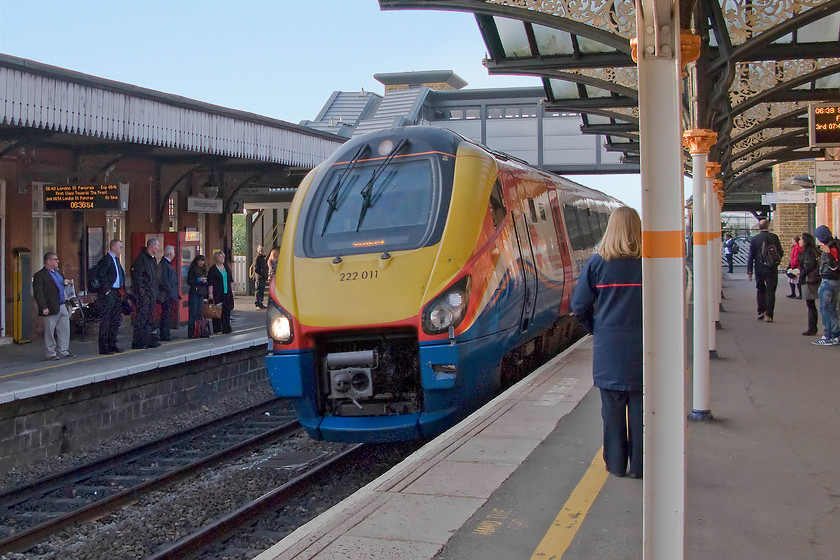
(761, 63)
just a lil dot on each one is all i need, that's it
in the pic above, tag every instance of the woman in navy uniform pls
(607, 301)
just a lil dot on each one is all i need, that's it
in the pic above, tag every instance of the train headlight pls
(279, 324)
(448, 309)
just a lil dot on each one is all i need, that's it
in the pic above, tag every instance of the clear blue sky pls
(278, 58)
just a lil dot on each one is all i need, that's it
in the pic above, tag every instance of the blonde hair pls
(623, 238)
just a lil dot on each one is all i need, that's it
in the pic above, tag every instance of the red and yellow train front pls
(387, 313)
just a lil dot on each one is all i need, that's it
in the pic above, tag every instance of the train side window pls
(595, 226)
(497, 204)
(533, 210)
(572, 226)
(604, 218)
(542, 212)
(585, 227)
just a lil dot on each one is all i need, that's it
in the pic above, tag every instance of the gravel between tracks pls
(142, 434)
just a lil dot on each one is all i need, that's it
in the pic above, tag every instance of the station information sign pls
(81, 197)
(824, 125)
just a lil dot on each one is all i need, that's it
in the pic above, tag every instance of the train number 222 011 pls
(363, 275)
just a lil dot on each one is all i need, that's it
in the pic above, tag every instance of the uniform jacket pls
(214, 279)
(46, 292)
(168, 280)
(754, 256)
(144, 275)
(607, 302)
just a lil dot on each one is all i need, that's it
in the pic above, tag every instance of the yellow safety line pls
(45, 368)
(565, 526)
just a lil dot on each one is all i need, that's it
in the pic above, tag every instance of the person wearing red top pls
(793, 278)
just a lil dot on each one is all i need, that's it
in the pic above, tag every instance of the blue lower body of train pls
(456, 378)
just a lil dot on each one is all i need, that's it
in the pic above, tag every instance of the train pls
(417, 269)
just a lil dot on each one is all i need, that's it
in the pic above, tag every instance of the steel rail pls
(221, 529)
(30, 537)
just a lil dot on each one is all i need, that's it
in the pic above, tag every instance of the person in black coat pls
(169, 296)
(197, 281)
(607, 302)
(766, 276)
(110, 278)
(809, 278)
(220, 279)
(260, 268)
(144, 286)
(48, 289)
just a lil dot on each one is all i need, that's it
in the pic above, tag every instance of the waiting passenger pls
(607, 302)
(220, 279)
(793, 276)
(197, 281)
(809, 278)
(48, 286)
(765, 255)
(828, 291)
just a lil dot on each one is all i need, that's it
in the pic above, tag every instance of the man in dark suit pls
(144, 286)
(168, 290)
(111, 277)
(48, 288)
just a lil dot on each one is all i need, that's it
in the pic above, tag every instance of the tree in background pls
(240, 236)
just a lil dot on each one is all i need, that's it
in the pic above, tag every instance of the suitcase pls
(201, 328)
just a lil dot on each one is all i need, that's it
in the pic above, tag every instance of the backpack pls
(735, 248)
(770, 256)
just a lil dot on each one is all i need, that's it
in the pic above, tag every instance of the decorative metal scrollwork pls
(752, 78)
(627, 77)
(747, 19)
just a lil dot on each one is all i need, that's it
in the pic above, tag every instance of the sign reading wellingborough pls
(81, 197)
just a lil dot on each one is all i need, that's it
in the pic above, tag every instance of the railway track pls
(216, 534)
(29, 514)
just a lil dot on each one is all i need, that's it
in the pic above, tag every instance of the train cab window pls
(533, 210)
(497, 204)
(365, 209)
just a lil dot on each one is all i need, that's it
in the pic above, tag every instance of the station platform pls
(523, 476)
(25, 372)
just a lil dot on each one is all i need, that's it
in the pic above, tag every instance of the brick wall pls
(48, 425)
(790, 219)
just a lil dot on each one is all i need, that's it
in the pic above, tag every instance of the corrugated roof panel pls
(54, 99)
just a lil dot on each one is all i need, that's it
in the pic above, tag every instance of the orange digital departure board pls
(824, 125)
(81, 197)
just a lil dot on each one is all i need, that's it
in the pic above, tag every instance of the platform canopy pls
(762, 62)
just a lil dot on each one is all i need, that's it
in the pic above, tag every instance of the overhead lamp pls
(801, 181)
(211, 190)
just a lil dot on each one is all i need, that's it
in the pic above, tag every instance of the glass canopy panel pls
(825, 29)
(513, 37)
(829, 82)
(562, 89)
(597, 92)
(598, 119)
(552, 42)
(787, 39)
(588, 46)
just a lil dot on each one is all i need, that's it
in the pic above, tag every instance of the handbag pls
(212, 311)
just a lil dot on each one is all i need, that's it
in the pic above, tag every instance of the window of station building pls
(172, 213)
(511, 111)
(455, 113)
(43, 226)
(558, 114)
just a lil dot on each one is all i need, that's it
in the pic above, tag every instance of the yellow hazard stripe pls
(568, 521)
(663, 244)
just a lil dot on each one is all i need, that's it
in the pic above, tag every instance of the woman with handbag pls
(197, 281)
(220, 279)
(809, 278)
(791, 272)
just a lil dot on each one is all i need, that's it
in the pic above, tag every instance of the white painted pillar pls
(663, 273)
(713, 275)
(715, 202)
(699, 142)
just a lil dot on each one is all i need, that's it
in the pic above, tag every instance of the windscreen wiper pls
(368, 188)
(332, 199)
